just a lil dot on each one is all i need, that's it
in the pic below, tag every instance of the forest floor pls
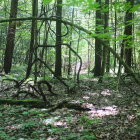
(114, 114)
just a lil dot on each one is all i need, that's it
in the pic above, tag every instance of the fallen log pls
(42, 104)
(26, 103)
(69, 105)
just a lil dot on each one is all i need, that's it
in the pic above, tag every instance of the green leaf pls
(25, 113)
(45, 2)
(89, 137)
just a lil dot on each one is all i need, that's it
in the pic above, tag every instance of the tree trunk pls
(33, 37)
(98, 46)
(10, 38)
(107, 56)
(115, 37)
(128, 31)
(58, 61)
(105, 51)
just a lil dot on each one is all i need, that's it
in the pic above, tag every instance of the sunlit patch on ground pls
(131, 117)
(106, 92)
(51, 138)
(59, 123)
(13, 127)
(54, 122)
(87, 105)
(91, 93)
(104, 111)
(86, 97)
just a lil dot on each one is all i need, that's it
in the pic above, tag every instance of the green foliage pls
(29, 125)
(25, 113)
(88, 137)
(89, 122)
(45, 2)
(71, 136)
(55, 130)
(135, 8)
(4, 136)
(83, 76)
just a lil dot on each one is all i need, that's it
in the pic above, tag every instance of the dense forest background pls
(63, 55)
(69, 37)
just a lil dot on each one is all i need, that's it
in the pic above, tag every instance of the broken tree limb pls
(48, 85)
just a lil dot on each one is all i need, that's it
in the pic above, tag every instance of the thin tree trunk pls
(115, 36)
(129, 32)
(70, 58)
(58, 61)
(98, 46)
(33, 37)
(77, 51)
(10, 38)
(105, 51)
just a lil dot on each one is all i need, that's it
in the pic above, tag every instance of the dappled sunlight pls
(54, 122)
(14, 127)
(59, 123)
(86, 97)
(87, 105)
(91, 93)
(131, 117)
(50, 138)
(103, 111)
(106, 92)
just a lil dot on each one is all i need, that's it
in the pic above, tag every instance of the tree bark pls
(58, 61)
(33, 37)
(98, 46)
(105, 51)
(126, 48)
(10, 38)
(128, 31)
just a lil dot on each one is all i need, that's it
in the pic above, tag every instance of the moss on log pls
(42, 104)
(28, 103)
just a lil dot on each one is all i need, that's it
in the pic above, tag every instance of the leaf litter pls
(114, 115)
